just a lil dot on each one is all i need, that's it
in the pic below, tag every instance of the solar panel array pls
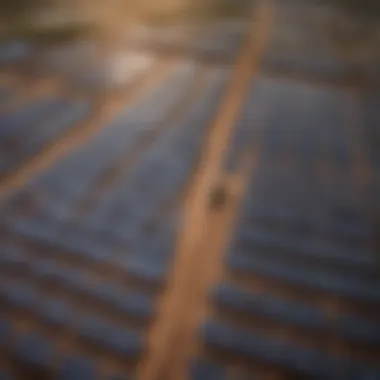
(88, 243)
(94, 270)
(24, 132)
(299, 264)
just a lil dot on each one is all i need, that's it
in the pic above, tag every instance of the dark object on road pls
(218, 197)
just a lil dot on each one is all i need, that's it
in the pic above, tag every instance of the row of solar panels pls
(312, 363)
(300, 136)
(24, 132)
(34, 355)
(112, 234)
(14, 51)
(74, 176)
(301, 240)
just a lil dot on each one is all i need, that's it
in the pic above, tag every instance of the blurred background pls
(189, 189)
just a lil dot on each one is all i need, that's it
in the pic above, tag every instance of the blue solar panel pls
(359, 329)
(65, 117)
(293, 246)
(83, 245)
(13, 51)
(76, 368)
(320, 67)
(300, 360)
(35, 125)
(33, 350)
(129, 303)
(265, 306)
(55, 312)
(143, 268)
(122, 342)
(20, 296)
(319, 280)
(36, 229)
(202, 369)
(261, 93)
(13, 260)
(20, 120)
(50, 273)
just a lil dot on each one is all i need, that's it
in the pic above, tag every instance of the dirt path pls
(178, 316)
